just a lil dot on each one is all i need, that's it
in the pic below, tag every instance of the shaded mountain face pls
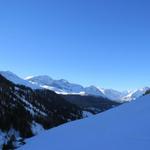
(21, 106)
(147, 92)
(91, 104)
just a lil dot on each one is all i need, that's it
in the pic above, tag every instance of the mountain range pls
(32, 105)
(27, 109)
(66, 88)
(24, 112)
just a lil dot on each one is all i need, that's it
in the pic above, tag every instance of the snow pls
(17, 80)
(5, 137)
(64, 87)
(32, 109)
(37, 128)
(2, 138)
(87, 114)
(92, 90)
(43, 79)
(113, 94)
(132, 95)
(57, 85)
(122, 128)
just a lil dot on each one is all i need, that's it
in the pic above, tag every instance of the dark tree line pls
(147, 92)
(20, 106)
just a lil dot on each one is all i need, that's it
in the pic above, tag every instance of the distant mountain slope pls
(147, 92)
(122, 128)
(17, 80)
(91, 104)
(132, 95)
(22, 109)
(64, 87)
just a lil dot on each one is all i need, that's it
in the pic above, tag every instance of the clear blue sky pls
(100, 42)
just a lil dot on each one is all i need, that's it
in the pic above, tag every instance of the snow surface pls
(17, 80)
(5, 137)
(37, 128)
(2, 138)
(132, 95)
(113, 94)
(63, 86)
(87, 114)
(126, 127)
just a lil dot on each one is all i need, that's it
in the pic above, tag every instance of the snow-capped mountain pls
(36, 106)
(59, 86)
(132, 95)
(113, 94)
(92, 90)
(94, 104)
(64, 87)
(122, 128)
(23, 110)
(17, 80)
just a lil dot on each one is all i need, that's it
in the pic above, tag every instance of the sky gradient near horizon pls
(100, 42)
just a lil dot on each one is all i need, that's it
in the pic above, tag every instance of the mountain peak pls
(63, 81)
(7, 73)
(40, 80)
(16, 79)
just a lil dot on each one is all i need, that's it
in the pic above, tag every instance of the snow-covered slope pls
(23, 112)
(17, 80)
(59, 86)
(124, 96)
(123, 128)
(63, 86)
(132, 95)
(113, 94)
(92, 90)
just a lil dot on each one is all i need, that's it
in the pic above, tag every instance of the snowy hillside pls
(123, 128)
(132, 95)
(113, 94)
(64, 87)
(17, 80)
(24, 112)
